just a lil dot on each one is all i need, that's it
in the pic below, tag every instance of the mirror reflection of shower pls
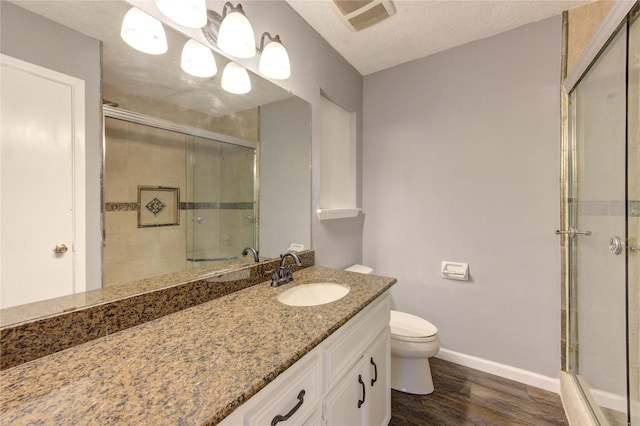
(176, 198)
(223, 184)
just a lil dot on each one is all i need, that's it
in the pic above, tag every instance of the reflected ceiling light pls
(198, 60)
(188, 13)
(143, 32)
(274, 61)
(235, 79)
(236, 37)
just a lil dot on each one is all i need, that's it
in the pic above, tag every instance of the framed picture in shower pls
(158, 206)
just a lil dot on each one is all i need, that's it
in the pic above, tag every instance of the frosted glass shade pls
(143, 32)
(188, 13)
(235, 79)
(274, 61)
(198, 60)
(236, 37)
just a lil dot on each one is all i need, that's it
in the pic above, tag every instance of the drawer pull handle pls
(360, 402)
(375, 372)
(277, 419)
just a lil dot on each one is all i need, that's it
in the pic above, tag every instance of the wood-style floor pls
(464, 396)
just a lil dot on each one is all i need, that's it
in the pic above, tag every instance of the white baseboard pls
(530, 378)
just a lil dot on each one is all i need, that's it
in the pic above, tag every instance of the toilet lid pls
(407, 325)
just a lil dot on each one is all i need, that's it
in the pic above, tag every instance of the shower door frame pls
(578, 404)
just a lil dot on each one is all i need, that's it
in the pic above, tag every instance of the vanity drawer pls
(347, 345)
(295, 392)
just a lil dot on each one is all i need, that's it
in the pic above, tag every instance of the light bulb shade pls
(274, 61)
(236, 37)
(143, 32)
(188, 13)
(235, 79)
(198, 60)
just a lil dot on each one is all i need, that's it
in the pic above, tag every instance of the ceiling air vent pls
(361, 14)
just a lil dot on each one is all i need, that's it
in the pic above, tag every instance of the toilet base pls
(411, 375)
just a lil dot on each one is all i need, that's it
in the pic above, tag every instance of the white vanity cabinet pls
(357, 371)
(343, 381)
(362, 397)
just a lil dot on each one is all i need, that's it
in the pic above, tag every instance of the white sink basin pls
(313, 294)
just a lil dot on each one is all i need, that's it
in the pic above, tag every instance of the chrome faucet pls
(246, 251)
(283, 274)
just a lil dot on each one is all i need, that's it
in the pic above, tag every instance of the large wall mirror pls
(178, 175)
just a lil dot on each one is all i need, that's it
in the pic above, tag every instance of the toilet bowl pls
(413, 341)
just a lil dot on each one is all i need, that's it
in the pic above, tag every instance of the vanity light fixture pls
(188, 13)
(143, 32)
(197, 60)
(274, 61)
(236, 37)
(235, 79)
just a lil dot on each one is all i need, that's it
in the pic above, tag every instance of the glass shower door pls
(633, 217)
(598, 233)
(222, 207)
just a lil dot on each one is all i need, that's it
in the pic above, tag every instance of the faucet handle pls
(274, 274)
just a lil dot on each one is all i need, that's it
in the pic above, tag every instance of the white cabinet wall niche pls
(343, 381)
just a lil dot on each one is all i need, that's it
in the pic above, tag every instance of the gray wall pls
(461, 163)
(285, 184)
(34, 39)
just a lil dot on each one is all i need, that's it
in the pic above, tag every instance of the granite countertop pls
(191, 367)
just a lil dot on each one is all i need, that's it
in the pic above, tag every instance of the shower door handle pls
(616, 245)
(572, 232)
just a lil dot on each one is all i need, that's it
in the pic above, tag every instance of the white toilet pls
(413, 341)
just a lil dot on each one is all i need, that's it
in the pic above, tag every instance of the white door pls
(42, 183)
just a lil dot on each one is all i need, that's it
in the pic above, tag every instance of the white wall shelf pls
(326, 214)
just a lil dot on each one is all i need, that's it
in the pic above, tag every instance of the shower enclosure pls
(175, 197)
(602, 229)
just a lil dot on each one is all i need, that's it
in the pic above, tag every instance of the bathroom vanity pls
(240, 359)
(344, 380)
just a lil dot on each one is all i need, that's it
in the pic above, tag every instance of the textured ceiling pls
(421, 28)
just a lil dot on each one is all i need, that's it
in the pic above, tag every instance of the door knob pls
(60, 249)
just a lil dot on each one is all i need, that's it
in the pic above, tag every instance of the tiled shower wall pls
(582, 25)
(140, 155)
(215, 183)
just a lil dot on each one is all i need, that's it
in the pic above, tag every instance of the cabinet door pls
(347, 404)
(291, 398)
(379, 381)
